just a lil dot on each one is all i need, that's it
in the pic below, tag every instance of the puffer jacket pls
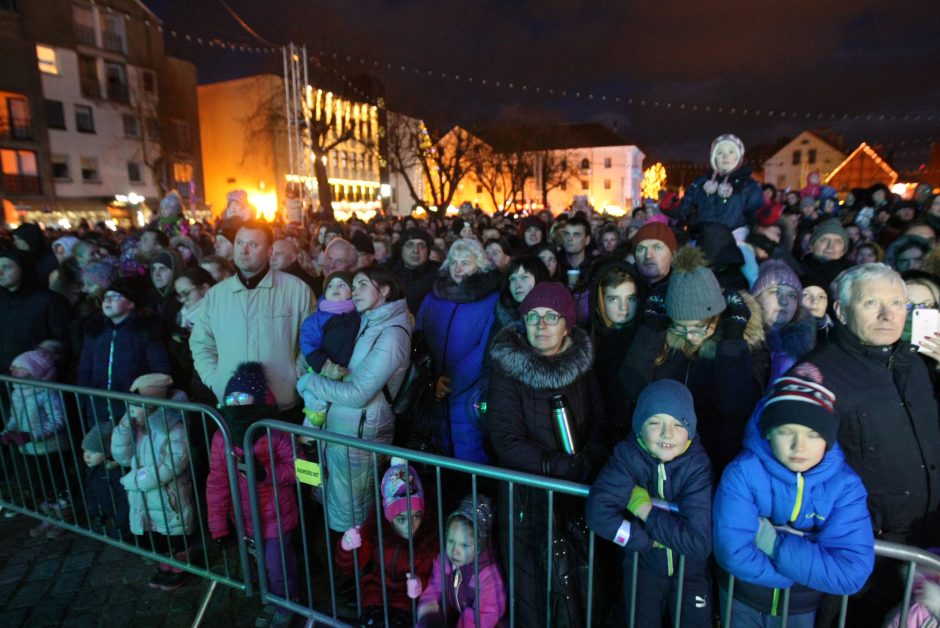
(833, 549)
(358, 408)
(789, 343)
(456, 321)
(159, 488)
(219, 497)
(462, 596)
(38, 412)
(734, 211)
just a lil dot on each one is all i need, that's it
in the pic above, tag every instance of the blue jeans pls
(744, 616)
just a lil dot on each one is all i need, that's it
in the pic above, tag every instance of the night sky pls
(835, 57)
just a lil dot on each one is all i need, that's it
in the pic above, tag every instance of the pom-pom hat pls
(801, 401)
(694, 293)
(401, 484)
(250, 378)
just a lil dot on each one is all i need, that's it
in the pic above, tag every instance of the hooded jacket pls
(456, 321)
(833, 548)
(734, 211)
(461, 594)
(30, 315)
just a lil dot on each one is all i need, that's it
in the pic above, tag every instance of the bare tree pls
(554, 169)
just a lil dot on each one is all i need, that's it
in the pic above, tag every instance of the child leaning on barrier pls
(327, 338)
(401, 488)
(105, 498)
(459, 584)
(663, 477)
(789, 512)
(248, 399)
(152, 442)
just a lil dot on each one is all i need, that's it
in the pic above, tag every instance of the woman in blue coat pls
(789, 512)
(455, 319)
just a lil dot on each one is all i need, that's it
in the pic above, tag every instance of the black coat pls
(888, 430)
(417, 282)
(30, 316)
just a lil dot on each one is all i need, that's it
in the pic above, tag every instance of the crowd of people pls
(739, 373)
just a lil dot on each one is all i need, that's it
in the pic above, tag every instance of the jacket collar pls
(261, 280)
(512, 351)
(880, 354)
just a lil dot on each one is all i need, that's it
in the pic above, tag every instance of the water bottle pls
(564, 424)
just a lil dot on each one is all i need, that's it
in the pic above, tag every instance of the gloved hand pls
(414, 587)
(351, 540)
(766, 536)
(302, 383)
(654, 313)
(734, 318)
(639, 497)
(128, 482)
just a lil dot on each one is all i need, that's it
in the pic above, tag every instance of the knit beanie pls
(727, 137)
(795, 399)
(344, 275)
(665, 396)
(67, 243)
(249, 378)
(102, 274)
(656, 231)
(694, 293)
(39, 363)
(229, 228)
(417, 234)
(551, 294)
(152, 385)
(483, 514)
(98, 438)
(807, 201)
(129, 287)
(21, 258)
(171, 259)
(830, 226)
(401, 484)
(775, 272)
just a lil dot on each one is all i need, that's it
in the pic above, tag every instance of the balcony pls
(85, 35)
(21, 184)
(90, 87)
(113, 42)
(118, 92)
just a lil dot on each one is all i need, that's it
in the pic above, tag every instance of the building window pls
(83, 21)
(149, 80)
(182, 171)
(20, 172)
(607, 162)
(47, 60)
(153, 129)
(60, 168)
(584, 184)
(479, 189)
(811, 155)
(55, 114)
(182, 135)
(112, 32)
(88, 77)
(89, 166)
(606, 184)
(16, 120)
(585, 164)
(131, 125)
(781, 181)
(133, 172)
(116, 78)
(797, 157)
(564, 186)
(84, 119)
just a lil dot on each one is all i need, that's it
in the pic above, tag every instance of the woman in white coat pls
(357, 404)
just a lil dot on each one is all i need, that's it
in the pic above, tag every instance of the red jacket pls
(219, 497)
(396, 560)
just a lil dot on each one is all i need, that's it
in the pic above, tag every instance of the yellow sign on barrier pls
(307, 472)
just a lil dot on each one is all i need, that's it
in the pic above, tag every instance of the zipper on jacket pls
(774, 603)
(799, 498)
(458, 577)
(111, 358)
(660, 484)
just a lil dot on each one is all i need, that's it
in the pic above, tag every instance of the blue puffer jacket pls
(827, 504)
(685, 482)
(734, 211)
(455, 320)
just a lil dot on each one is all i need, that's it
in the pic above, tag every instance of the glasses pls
(919, 306)
(551, 319)
(689, 332)
(112, 296)
(238, 399)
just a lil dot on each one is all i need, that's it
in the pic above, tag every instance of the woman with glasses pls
(189, 288)
(713, 342)
(536, 365)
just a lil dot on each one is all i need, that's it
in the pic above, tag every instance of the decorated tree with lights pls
(654, 181)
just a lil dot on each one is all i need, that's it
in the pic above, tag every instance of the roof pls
(551, 137)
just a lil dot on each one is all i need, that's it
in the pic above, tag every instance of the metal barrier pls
(44, 475)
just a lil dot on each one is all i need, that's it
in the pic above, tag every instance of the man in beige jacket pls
(254, 315)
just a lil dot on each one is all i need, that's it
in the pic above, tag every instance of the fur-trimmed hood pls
(753, 334)
(472, 288)
(507, 315)
(797, 338)
(513, 353)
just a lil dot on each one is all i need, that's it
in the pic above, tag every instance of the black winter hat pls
(127, 286)
(417, 234)
(363, 242)
(798, 400)
(249, 378)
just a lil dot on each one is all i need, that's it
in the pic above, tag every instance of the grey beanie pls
(665, 396)
(830, 226)
(694, 293)
(98, 439)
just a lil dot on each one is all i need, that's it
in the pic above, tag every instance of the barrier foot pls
(204, 605)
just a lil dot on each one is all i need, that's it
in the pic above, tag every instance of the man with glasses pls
(414, 268)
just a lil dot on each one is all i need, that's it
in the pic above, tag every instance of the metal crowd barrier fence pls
(44, 474)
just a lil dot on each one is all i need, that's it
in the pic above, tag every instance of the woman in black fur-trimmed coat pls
(520, 423)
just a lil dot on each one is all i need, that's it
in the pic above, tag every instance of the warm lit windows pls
(182, 171)
(47, 60)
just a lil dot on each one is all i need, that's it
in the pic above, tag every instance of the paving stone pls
(68, 583)
(13, 618)
(14, 573)
(83, 619)
(30, 594)
(79, 561)
(46, 569)
(92, 597)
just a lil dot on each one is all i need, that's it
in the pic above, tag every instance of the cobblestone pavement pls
(76, 581)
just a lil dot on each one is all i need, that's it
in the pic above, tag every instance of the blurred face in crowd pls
(338, 290)
(620, 303)
(414, 253)
(91, 290)
(367, 295)
(911, 258)
(551, 262)
(727, 156)
(161, 276)
(462, 265)
(797, 447)
(532, 236)
(778, 303)
(283, 254)
(609, 241)
(575, 239)
(664, 436)
(521, 283)
(876, 313)
(11, 275)
(92, 458)
(866, 255)
(381, 250)
(546, 330)
(187, 293)
(148, 245)
(815, 300)
(223, 247)
(339, 256)
(116, 306)
(252, 251)
(653, 259)
(490, 234)
(829, 246)
(497, 257)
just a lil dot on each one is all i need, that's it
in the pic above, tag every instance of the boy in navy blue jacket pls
(663, 477)
(789, 512)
